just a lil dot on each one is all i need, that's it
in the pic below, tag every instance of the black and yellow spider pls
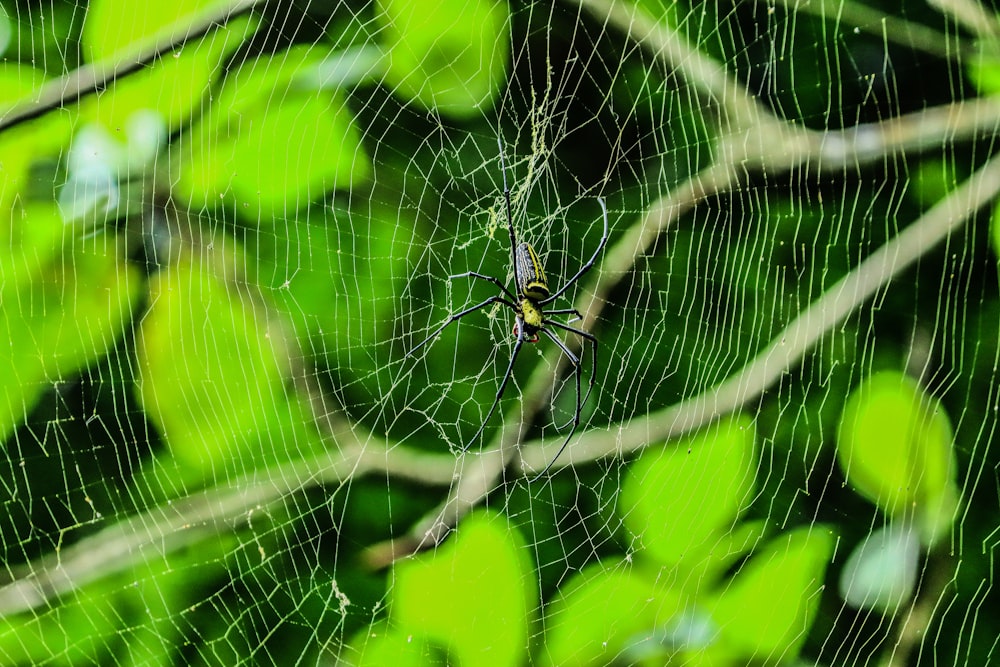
(530, 316)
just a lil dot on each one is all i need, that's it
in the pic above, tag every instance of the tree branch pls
(96, 76)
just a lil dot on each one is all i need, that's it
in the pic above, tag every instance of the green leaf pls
(679, 502)
(21, 146)
(124, 619)
(730, 547)
(334, 272)
(31, 241)
(933, 180)
(176, 83)
(983, 68)
(270, 146)
(66, 301)
(474, 596)
(210, 377)
(766, 611)
(84, 630)
(446, 55)
(380, 645)
(600, 612)
(895, 448)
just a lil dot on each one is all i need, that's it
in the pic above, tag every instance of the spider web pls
(230, 223)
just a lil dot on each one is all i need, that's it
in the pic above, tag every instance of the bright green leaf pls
(600, 612)
(983, 68)
(447, 55)
(727, 549)
(21, 146)
(114, 26)
(176, 83)
(765, 612)
(379, 645)
(127, 615)
(66, 301)
(83, 631)
(270, 146)
(680, 501)
(210, 376)
(474, 596)
(30, 242)
(895, 448)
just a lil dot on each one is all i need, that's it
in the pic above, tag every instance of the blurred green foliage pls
(473, 599)
(65, 303)
(446, 55)
(176, 85)
(896, 448)
(269, 148)
(672, 599)
(285, 231)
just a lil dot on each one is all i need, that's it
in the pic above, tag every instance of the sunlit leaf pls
(175, 84)
(473, 596)
(270, 146)
(447, 55)
(380, 645)
(678, 502)
(600, 613)
(766, 611)
(66, 301)
(983, 67)
(211, 378)
(895, 447)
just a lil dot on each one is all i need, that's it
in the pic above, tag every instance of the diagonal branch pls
(96, 76)
(789, 347)
(770, 147)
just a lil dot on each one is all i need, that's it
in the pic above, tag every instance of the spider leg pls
(576, 416)
(590, 263)
(503, 386)
(593, 348)
(456, 316)
(565, 311)
(489, 279)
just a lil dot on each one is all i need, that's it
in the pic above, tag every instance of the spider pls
(528, 301)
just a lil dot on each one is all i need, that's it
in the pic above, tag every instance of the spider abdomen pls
(531, 281)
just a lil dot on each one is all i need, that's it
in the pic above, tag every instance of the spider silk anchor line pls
(528, 303)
